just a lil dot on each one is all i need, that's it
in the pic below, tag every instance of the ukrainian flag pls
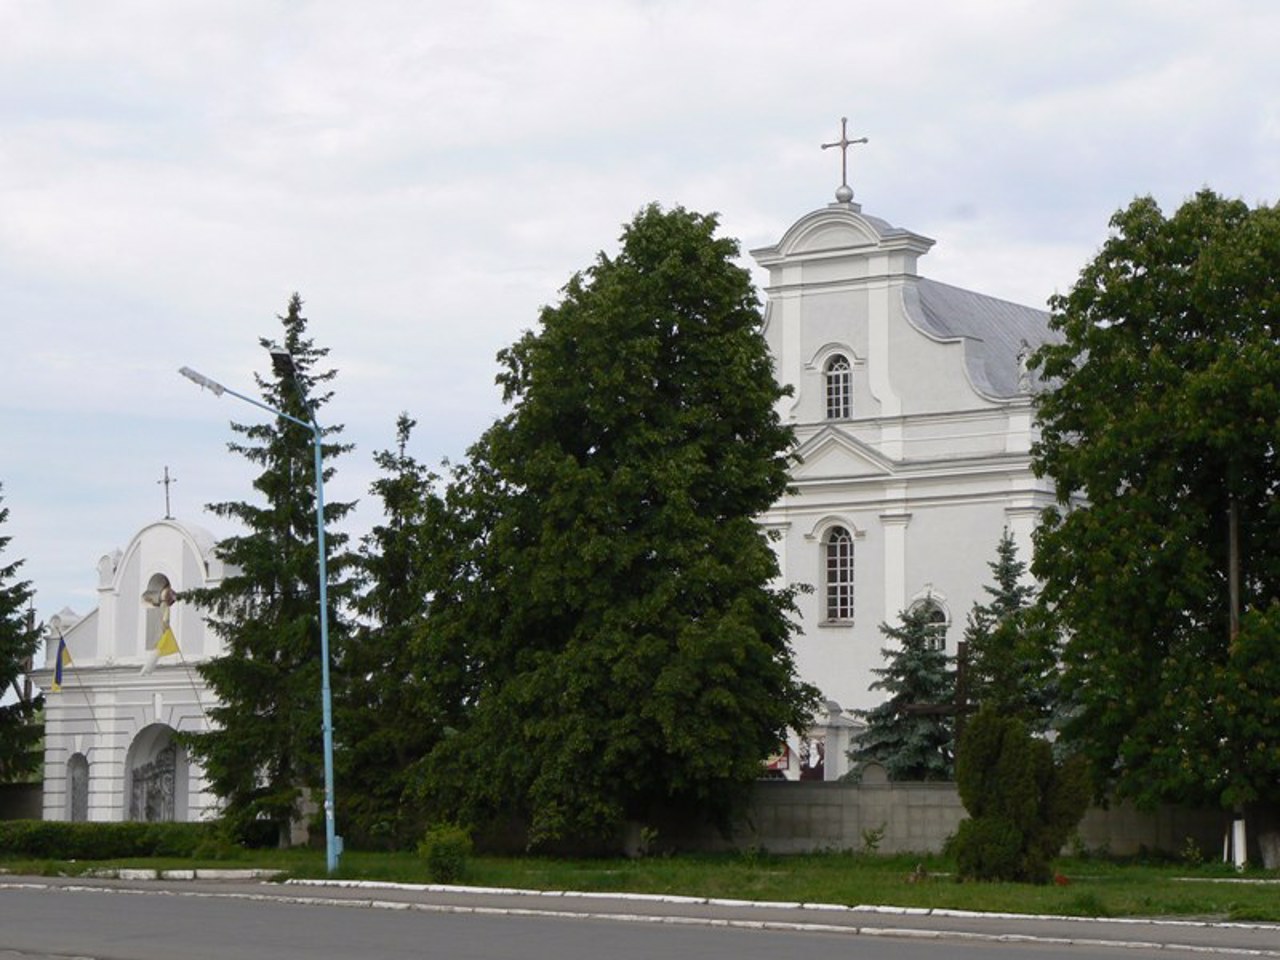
(63, 659)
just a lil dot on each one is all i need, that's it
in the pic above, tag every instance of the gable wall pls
(926, 474)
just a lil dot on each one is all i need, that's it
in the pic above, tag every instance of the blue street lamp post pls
(284, 364)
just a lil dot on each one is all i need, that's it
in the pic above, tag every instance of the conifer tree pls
(1022, 804)
(1011, 650)
(387, 719)
(264, 754)
(19, 734)
(910, 744)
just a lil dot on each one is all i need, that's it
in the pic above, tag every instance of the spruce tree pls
(264, 754)
(1011, 649)
(387, 718)
(909, 744)
(19, 733)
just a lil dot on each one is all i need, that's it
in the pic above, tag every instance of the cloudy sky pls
(428, 174)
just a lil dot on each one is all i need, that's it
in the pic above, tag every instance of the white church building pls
(913, 416)
(110, 751)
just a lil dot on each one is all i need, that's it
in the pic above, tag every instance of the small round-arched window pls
(935, 615)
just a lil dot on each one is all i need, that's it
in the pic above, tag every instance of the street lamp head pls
(282, 363)
(202, 381)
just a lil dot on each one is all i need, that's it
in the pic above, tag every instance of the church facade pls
(128, 684)
(913, 417)
(912, 408)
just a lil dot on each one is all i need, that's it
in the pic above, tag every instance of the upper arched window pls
(936, 617)
(158, 599)
(838, 553)
(838, 375)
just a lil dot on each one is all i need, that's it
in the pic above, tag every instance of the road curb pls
(773, 904)
(134, 873)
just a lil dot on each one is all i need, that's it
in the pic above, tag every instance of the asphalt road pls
(151, 920)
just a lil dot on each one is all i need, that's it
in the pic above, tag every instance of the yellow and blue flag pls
(63, 659)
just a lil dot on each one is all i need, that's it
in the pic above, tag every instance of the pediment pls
(833, 453)
(839, 229)
(183, 552)
(830, 233)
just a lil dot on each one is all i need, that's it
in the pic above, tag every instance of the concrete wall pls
(811, 816)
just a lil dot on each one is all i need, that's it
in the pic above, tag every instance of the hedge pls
(61, 840)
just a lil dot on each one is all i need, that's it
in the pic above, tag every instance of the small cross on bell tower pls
(167, 480)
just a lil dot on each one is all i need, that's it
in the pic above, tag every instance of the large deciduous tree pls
(1161, 435)
(627, 654)
(911, 734)
(19, 733)
(264, 756)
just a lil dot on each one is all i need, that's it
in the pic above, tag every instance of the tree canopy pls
(264, 751)
(625, 651)
(19, 734)
(1161, 435)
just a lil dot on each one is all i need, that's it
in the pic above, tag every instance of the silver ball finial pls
(844, 193)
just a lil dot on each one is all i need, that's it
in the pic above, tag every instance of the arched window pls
(936, 617)
(78, 788)
(158, 599)
(839, 381)
(838, 551)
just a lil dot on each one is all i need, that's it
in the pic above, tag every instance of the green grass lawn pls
(1092, 887)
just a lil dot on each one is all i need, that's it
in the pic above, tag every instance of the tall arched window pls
(838, 550)
(839, 381)
(78, 788)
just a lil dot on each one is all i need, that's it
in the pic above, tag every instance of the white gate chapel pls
(110, 751)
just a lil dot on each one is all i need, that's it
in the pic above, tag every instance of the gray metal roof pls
(997, 334)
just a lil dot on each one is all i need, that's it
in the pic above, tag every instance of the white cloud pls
(428, 175)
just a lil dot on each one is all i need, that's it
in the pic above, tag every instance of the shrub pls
(1023, 806)
(988, 848)
(52, 839)
(446, 848)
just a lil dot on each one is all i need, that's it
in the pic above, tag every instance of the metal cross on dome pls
(844, 193)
